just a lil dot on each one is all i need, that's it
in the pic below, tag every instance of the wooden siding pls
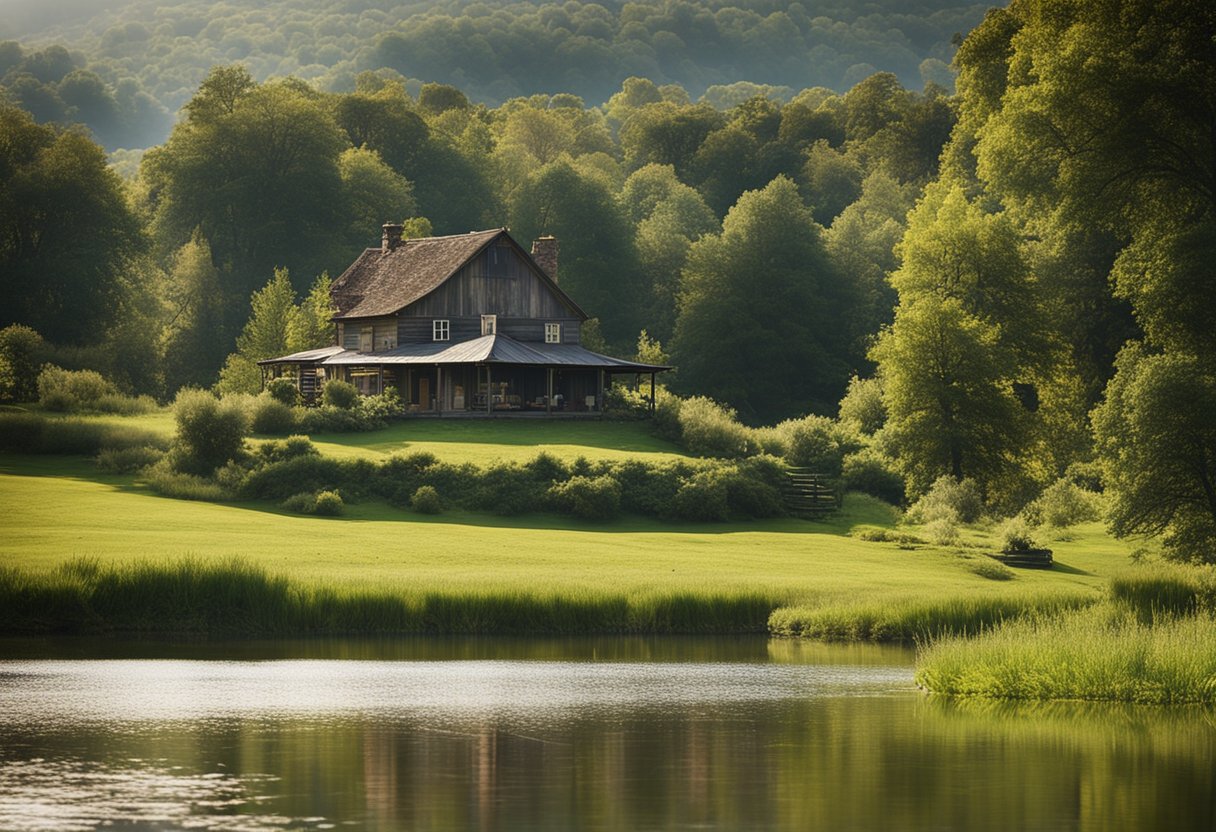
(496, 282)
(384, 333)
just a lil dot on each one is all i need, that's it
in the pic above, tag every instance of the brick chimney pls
(544, 252)
(392, 236)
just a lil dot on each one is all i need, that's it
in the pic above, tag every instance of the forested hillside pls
(124, 67)
(1016, 276)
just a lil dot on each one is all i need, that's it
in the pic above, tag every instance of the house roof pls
(384, 282)
(488, 349)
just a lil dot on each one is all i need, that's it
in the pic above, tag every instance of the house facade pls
(464, 324)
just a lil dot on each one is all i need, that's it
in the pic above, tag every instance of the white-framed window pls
(553, 333)
(441, 330)
(489, 324)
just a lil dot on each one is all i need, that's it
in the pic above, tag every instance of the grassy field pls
(816, 578)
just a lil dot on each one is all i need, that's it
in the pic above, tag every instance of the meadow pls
(381, 568)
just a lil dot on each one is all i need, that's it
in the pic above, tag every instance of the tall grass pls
(917, 619)
(31, 433)
(1088, 655)
(1163, 590)
(235, 597)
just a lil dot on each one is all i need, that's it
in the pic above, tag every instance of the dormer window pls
(489, 324)
(441, 330)
(553, 333)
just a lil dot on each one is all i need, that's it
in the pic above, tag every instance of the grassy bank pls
(1152, 641)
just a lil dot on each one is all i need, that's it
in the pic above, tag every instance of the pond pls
(611, 734)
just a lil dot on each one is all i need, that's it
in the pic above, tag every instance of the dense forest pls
(123, 68)
(1010, 281)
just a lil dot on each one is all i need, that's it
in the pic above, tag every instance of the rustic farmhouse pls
(465, 324)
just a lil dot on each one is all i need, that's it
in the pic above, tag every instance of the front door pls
(424, 393)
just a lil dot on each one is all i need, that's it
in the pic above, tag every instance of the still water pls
(612, 734)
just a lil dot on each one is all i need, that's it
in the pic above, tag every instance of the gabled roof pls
(384, 282)
(488, 349)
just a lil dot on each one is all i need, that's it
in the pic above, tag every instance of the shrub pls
(943, 531)
(69, 390)
(770, 440)
(505, 488)
(666, 420)
(1016, 535)
(591, 498)
(271, 416)
(546, 468)
(993, 571)
(382, 406)
(862, 405)
(709, 429)
(128, 460)
(330, 419)
(947, 498)
(209, 431)
(649, 488)
(277, 450)
(328, 504)
(817, 443)
(304, 472)
(1063, 504)
(283, 390)
(164, 480)
(22, 352)
(871, 472)
(124, 405)
(339, 394)
(703, 497)
(425, 500)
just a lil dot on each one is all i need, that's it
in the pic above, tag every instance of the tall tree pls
(67, 234)
(760, 311)
(195, 341)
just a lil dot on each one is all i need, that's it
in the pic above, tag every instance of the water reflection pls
(772, 738)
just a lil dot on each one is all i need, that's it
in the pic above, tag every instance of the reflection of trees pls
(900, 762)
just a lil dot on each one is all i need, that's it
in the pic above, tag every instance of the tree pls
(760, 311)
(1156, 440)
(22, 353)
(264, 336)
(373, 194)
(67, 233)
(194, 336)
(948, 394)
(311, 326)
(599, 266)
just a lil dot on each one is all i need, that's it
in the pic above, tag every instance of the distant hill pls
(135, 63)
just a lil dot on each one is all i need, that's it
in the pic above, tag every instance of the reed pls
(1098, 654)
(917, 618)
(1164, 590)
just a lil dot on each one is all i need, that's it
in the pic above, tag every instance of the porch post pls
(489, 392)
(599, 393)
(438, 389)
(549, 391)
(379, 380)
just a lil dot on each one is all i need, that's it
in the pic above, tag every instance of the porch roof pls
(488, 349)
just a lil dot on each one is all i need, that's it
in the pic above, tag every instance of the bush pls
(381, 407)
(702, 497)
(128, 460)
(505, 488)
(666, 420)
(209, 431)
(590, 498)
(271, 416)
(862, 405)
(871, 472)
(816, 443)
(125, 405)
(948, 498)
(166, 481)
(339, 394)
(304, 472)
(22, 352)
(328, 504)
(277, 450)
(943, 531)
(425, 500)
(709, 429)
(649, 488)
(1016, 535)
(283, 390)
(330, 419)
(70, 390)
(1063, 504)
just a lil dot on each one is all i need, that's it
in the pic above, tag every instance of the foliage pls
(871, 472)
(702, 497)
(339, 394)
(128, 460)
(68, 390)
(283, 390)
(589, 498)
(321, 503)
(21, 351)
(270, 416)
(1016, 535)
(210, 431)
(709, 429)
(758, 299)
(948, 498)
(196, 337)
(425, 500)
(1157, 445)
(817, 443)
(1063, 504)
(863, 406)
(31, 433)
